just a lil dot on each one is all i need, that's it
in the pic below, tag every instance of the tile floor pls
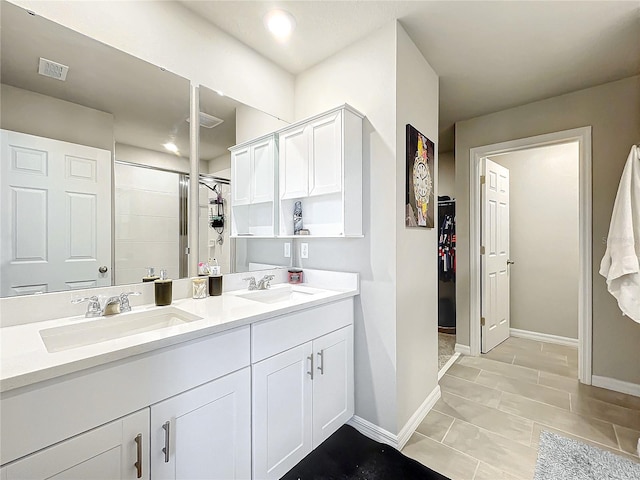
(488, 421)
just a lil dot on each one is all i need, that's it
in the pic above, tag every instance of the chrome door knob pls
(103, 269)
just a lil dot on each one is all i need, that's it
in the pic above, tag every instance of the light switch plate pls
(287, 249)
(304, 250)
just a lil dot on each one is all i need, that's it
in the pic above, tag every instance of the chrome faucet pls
(261, 284)
(252, 283)
(98, 306)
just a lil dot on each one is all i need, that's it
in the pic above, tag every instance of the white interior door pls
(55, 217)
(495, 255)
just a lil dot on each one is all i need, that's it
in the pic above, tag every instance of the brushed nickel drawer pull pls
(165, 450)
(138, 463)
(310, 372)
(321, 366)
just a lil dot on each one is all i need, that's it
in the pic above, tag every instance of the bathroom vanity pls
(243, 385)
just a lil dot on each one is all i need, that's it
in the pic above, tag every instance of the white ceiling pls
(489, 55)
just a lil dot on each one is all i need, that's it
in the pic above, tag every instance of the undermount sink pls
(103, 329)
(280, 293)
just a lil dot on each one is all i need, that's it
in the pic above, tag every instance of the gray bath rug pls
(561, 458)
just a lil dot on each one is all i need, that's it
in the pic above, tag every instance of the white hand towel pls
(621, 262)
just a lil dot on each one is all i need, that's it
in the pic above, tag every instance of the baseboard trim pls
(417, 417)
(447, 365)
(544, 337)
(373, 431)
(616, 385)
(462, 349)
(379, 434)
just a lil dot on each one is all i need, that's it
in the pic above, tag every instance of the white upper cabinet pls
(294, 163)
(317, 161)
(320, 165)
(253, 174)
(325, 155)
(263, 170)
(241, 175)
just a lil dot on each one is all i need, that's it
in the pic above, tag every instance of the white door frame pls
(585, 325)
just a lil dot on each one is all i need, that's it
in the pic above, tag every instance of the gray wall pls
(544, 238)
(613, 112)
(447, 174)
(416, 248)
(28, 112)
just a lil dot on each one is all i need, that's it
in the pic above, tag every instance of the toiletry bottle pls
(150, 276)
(163, 288)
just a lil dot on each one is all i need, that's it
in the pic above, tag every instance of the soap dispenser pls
(163, 289)
(150, 276)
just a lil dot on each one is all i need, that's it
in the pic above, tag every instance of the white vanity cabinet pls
(117, 450)
(205, 432)
(320, 165)
(302, 392)
(200, 388)
(253, 175)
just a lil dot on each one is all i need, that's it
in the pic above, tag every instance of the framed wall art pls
(419, 209)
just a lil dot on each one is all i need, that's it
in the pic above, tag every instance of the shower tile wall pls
(146, 222)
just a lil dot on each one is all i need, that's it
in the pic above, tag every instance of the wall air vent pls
(52, 69)
(208, 121)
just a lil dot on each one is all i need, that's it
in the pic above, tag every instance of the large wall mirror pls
(94, 168)
(240, 123)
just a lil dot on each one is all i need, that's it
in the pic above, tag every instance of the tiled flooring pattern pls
(488, 421)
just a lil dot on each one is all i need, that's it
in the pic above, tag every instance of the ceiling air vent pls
(208, 121)
(52, 69)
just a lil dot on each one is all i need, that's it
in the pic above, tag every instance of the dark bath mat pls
(349, 455)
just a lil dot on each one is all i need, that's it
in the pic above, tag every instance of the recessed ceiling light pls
(280, 23)
(171, 147)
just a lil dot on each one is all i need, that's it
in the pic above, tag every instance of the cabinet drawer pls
(42, 414)
(276, 335)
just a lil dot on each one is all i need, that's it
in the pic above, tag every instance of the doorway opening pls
(581, 137)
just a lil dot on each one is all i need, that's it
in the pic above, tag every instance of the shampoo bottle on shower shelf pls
(163, 289)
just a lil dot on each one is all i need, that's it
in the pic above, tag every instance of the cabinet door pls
(262, 174)
(105, 453)
(325, 160)
(241, 176)
(333, 397)
(204, 433)
(282, 394)
(293, 163)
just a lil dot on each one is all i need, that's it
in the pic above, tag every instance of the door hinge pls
(482, 250)
(482, 321)
(483, 179)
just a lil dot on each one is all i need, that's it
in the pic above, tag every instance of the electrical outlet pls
(287, 250)
(304, 250)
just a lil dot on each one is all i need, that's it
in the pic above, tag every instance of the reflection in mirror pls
(240, 124)
(59, 140)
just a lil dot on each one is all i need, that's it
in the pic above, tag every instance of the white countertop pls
(24, 359)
